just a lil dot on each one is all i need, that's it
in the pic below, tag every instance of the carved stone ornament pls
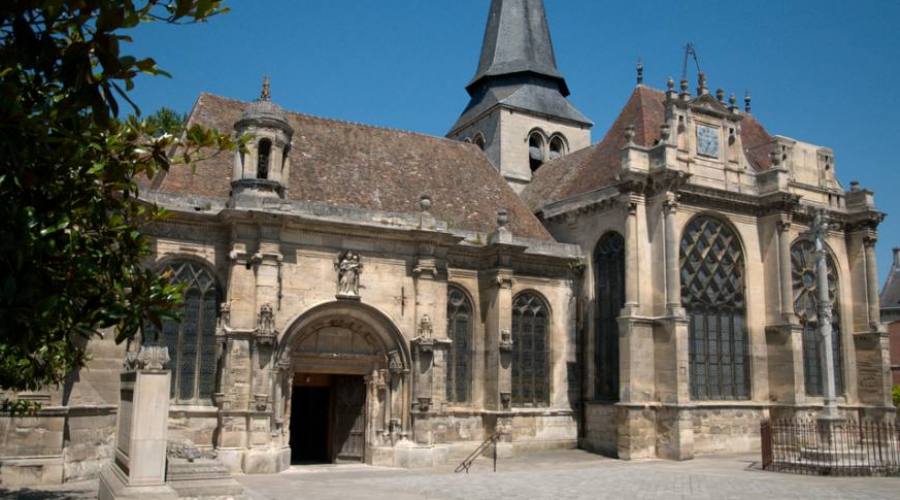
(185, 449)
(149, 357)
(348, 267)
(224, 315)
(424, 403)
(505, 400)
(261, 401)
(506, 341)
(265, 323)
(426, 329)
(395, 364)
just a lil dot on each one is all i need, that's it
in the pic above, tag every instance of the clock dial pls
(707, 141)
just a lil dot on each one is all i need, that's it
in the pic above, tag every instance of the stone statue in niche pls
(265, 323)
(348, 267)
(395, 364)
(224, 315)
(425, 328)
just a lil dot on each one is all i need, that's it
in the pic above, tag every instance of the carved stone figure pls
(395, 364)
(426, 330)
(224, 315)
(266, 321)
(348, 267)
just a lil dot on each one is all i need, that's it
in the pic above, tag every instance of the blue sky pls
(821, 71)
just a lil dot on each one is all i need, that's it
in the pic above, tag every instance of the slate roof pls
(518, 66)
(516, 40)
(597, 166)
(359, 166)
(890, 294)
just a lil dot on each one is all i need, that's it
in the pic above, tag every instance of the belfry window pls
(265, 154)
(806, 306)
(557, 148)
(609, 279)
(530, 352)
(535, 151)
(459, 361)
(479, 141)
(191, 341)
(712, 291)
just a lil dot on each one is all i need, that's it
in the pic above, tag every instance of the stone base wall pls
(726, 430)
(90, 442)
(601, 429)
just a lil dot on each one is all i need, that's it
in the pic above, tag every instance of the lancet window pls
(609, 279)
(459, 330)
(530, 351)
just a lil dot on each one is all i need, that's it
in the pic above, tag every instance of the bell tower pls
(263, 169)
(518, 112)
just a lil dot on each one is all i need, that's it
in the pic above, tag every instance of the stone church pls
(362, 294)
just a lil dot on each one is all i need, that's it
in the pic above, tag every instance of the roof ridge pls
(344, 122)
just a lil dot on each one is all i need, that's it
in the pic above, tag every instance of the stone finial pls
(701, 84)
(640, 71)
(897, 257)
(670, 84)
(854, 186)
(720, 95)
(629, 134)
(747, 98)
(502, 218)
(684, 87)
(732, 103)
(266, 93)
(425, 202)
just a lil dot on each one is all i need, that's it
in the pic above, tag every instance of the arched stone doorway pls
(345, 383)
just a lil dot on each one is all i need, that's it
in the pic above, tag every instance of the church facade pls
(360, 294)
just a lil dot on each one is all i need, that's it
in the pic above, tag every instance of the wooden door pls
(349, 438)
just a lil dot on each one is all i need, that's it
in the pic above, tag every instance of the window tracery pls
(530, 352)
(459, 360)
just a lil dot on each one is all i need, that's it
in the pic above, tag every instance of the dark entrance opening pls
(309, 424)
(328, 419)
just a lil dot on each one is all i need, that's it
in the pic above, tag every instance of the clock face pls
(707, 141)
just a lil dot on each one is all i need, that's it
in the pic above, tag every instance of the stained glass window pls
(459, 361)
(191, 341)
(530, 351)
(806, 303)
(712, 292)
(609, 279)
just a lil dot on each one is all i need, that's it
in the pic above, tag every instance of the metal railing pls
(844, 448)
(467, 463)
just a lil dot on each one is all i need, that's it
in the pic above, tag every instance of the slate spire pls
(517, 41)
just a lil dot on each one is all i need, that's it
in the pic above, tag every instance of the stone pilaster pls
(872, 299)
(498, 339)
(785, 280)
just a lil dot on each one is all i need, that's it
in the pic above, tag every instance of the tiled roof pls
(351, 165)
(597, 166)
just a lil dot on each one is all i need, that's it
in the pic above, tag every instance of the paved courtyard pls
(553, 475)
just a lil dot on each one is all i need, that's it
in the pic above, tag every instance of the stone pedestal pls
(139, 467)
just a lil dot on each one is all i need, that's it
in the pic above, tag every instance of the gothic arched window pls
(806, 304)
(192, 341)
(557, 147)
(535, 150)
(712, 291)
(459, 330)
(609, 279)
(530, 351)
(479, 141)
(262, 164)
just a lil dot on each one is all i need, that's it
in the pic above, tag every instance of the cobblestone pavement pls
(553, 475)
(566, 475)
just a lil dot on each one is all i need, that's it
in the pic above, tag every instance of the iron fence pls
(843, 448)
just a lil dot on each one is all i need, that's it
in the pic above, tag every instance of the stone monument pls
(139, 465)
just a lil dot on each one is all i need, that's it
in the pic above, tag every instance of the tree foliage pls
(71, 247)
(167, 121)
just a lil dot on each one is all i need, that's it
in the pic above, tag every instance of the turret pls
(263, 168)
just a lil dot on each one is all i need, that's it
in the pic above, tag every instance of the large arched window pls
(192, 341)
(609, 279)
(459, 330)
(263, 158)
(712, 291)
(806, 304)
(530, 351)
(535, 151)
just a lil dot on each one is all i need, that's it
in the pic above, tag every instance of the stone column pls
(139, 465)
(631, 257)
(673, 275)
(498, 340)
(785, 277)
(873, 300)
(825, 313)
